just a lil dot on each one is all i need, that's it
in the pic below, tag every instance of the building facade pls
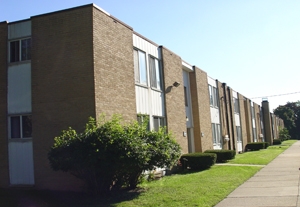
(58, 69)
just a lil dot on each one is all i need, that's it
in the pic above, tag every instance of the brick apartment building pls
(60, 68)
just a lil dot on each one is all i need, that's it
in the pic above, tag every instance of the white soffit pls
(187, 67)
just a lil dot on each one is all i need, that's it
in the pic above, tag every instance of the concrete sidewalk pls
(277, 184)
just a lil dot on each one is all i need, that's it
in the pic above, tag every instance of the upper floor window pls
(213, 96)
(140, 69)
(185, 96)
(20, 50)
(20, 126)
(236, 106)
(155, 73)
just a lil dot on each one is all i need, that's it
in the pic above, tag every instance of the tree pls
(290, 114)
(110, 155)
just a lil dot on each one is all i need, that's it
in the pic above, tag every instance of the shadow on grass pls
(45, 198)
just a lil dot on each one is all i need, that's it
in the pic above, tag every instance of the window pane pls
(185, 97)
(26, 126)
(136, 66)
(215, 97)
(218, 129)
(158, 74)
(152, 72)
(213, 133)
(26, 49)
(15, 127)
(15, 51)
(210, 95)
(162, 122)
(155, 123)
(142, 67)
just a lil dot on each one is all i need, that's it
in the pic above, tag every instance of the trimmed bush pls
(223, 155)
(198, 161)
(267, 144)
(254, 146)
(276, 142)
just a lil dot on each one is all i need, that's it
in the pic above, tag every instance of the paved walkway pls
(277, 184)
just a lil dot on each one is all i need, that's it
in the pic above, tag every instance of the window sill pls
(141, 85)
(19, 139)
(19, 62)
(155, 89)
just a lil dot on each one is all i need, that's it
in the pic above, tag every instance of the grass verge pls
(205, 188)
(262, 157)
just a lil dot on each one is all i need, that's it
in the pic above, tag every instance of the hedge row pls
(254, 146)
(276, 142)
(223, 155)
(198, 161)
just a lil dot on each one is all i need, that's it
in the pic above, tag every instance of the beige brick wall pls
(113, 62)
(248, 120)
(4, 178)
(201, 110)
(174, 97)
(257, 121)
(62, 85)
(243, 120)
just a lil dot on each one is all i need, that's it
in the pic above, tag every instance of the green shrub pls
(267, 144)
(110, 155)
(198, 161)
(222, 155)
(284, 134)
(276, 142)
(254, 146)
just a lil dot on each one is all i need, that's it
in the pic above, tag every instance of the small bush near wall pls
(276, 142)
(267, 144)
(223, 155)
(198, 161)
(253, 146)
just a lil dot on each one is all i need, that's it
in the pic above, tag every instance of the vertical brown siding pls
(174, 98)
(114, 71)
(62, 85)
(201, 110)
(4, 179)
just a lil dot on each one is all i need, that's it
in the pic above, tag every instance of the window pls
(155, 73)
(20, 126)
(216, 133)
(140, 67)
(236, 106)
(143, 119)
(213, 96)
(20, 50)
(239, 133)
(185, 97)
(158, 122)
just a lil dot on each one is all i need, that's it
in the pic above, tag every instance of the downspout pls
(232, 124)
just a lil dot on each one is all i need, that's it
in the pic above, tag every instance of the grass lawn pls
(262, 157)
(205, 188)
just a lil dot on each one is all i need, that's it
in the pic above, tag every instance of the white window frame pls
(236, 106)
(213, 96)
(155, 73)
(21, 126)
(20, 55)
(161, 122)
(140, 67)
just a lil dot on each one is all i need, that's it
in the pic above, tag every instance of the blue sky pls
(252, 45)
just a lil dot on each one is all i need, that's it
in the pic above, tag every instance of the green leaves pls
(110, 154)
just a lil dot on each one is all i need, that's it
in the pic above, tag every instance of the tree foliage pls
(110, 155)
(290, 114)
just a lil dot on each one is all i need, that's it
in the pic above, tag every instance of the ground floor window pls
(216, 133)
(239, 133)
(20, 126)
(158, 122)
